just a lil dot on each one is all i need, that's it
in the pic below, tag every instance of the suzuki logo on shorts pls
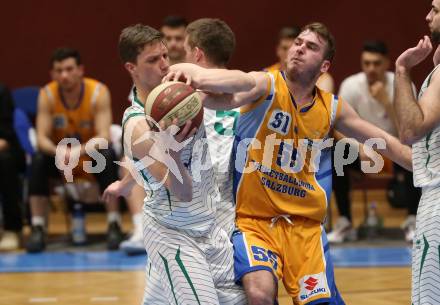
(312, 286)
(311, 283)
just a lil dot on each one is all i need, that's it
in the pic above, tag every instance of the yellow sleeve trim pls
(258, 102)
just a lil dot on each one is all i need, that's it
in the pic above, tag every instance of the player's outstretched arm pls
(222, 88)
(155, 151)
(213, 80)
(119, 188)
(351, 125)
(415, 119)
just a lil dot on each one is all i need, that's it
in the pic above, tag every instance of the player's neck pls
(302, 91)
(142, 94)
(72, 96)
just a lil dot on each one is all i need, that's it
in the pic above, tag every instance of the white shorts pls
(426, 250)
(182, 269)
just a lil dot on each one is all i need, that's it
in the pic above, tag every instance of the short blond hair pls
(134, 38)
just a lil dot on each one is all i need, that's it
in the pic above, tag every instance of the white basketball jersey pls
(195, 217)
(220, 130)
(426, 152)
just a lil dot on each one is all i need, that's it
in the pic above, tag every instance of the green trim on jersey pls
(425, 252)
(185, 273)
(428, 137)
(169, 197)
(167, 269)
(130, 116)
(135, 98)
(125, 122)
(144, 176)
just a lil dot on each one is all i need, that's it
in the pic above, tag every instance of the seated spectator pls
(370, 93)
(11, 161)
(71, 106)
(286, 37)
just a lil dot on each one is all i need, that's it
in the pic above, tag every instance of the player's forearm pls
(394, 149)
(127, 182)
(225, 81)
(217, 80)
(409, 114)
(397, 152)
(389, 108)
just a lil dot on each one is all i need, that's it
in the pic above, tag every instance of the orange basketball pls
(172, 100)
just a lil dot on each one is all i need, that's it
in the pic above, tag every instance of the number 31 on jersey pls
(279, 121)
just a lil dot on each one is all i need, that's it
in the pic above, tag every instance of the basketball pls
(172, 100)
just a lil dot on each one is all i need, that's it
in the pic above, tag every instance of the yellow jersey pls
(277, 168)
(273, 68)
(77, 121)
(74, 122)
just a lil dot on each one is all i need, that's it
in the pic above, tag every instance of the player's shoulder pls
(131, 112)
(434, 76)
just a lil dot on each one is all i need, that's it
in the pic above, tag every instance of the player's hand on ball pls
(177, 76)
(184, 132)
(415, 55)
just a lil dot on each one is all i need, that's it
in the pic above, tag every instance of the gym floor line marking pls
(104, 299)
(42, 300)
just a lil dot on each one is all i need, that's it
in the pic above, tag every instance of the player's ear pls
(199, 54)
(325, 66)
(130, 67)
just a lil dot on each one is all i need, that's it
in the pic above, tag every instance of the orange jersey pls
(73, 122)
(277, 170)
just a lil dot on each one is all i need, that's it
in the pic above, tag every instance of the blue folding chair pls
(25, 102)
(25, 98)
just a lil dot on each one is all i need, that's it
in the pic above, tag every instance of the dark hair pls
(323, 32)
(133, 40)
(214, 37)
(375, 46)
(288, 32)
(63, 53)
(174, 21)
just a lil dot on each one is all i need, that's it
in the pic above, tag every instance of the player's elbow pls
(407, 136)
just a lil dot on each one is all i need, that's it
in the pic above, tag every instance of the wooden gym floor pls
(358, 286)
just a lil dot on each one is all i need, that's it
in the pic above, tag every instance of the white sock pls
(37, 221)
(113, 216)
